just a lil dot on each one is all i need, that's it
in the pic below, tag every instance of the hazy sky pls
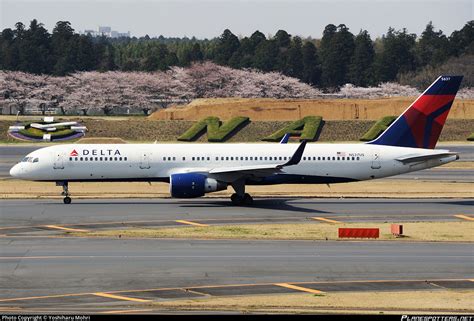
(207, 19)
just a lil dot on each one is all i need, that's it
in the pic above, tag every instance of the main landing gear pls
(240, 197)
(246, 199)
(65, 193)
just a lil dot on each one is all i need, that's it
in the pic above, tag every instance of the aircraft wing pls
(236, 172)
(422, 158)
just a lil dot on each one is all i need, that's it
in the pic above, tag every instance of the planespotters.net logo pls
(437, 318)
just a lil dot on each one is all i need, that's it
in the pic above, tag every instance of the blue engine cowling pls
(190, 185)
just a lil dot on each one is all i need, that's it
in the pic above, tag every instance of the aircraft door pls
(145, 160)
(58, 160)
(376, 160)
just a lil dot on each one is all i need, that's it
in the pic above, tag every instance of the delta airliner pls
(192, 170)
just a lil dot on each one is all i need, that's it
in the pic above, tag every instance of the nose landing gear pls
(65, 193)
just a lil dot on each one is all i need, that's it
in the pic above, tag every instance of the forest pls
(338, 58)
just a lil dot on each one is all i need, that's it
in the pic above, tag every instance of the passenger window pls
(70, 158)
(232, 158)
(358, 158)
(125, 158)
(192, 158)
(208, 158)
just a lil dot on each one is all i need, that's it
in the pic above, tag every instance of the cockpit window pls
(30, 160)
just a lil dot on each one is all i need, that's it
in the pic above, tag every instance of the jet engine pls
(190, 185)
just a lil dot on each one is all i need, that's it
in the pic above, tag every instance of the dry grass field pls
(409, 302)
(267, 109)
(312, 230)
(10, 188)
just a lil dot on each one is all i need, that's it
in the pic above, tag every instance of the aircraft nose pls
(15, 171)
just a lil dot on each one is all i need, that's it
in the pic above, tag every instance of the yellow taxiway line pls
(465, 217)
(298, 288)
(127, 311)
(191, 223)
(65, 228)
(326, 220)
(119, 297)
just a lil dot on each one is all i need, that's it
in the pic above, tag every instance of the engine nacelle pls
(190, 185)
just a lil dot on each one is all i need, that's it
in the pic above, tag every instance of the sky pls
(207, 19)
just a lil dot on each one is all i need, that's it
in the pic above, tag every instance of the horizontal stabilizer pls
(422, 158)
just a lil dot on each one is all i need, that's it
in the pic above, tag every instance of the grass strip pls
(413, 231)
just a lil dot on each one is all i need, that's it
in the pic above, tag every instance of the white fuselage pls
(321, 163)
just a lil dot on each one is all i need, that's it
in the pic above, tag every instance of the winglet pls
(285, 138)
(296, 158)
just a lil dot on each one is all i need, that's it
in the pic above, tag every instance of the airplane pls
(192, 170)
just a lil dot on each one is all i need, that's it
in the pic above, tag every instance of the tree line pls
(339, 57)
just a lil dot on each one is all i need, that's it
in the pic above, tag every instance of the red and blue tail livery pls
(421, 124)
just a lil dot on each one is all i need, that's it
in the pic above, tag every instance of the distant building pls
(107, 32)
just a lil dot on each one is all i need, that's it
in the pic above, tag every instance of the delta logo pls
(96, 152)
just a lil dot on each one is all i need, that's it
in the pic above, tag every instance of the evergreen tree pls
(61, 43)
(432, 48)
(227, 45)
(283, 40)
(266, 55)
(337, 53)
(294, 63)
(311, 65)
(397, 55)
(361, 67)
(462, 41)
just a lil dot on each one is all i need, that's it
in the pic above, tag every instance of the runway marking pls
(119, 297)
(65, 228)
(222, 286)
(44, 297)
(299, 288)
(326, 220)
(127, 311)
(465, 217)
(191, 223)
(195, 292)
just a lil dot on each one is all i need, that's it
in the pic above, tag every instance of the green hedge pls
(307, 128)
(471, 137)
(215, 131)
(379, 127)
(38, 134)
